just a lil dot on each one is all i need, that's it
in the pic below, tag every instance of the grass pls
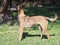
(9, 35)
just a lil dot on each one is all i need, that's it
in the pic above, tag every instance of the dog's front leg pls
(21, 28)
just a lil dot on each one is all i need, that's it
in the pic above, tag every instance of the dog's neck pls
(21, 12)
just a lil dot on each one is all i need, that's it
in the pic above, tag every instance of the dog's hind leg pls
(48, 36)
(40, 29)
(44, 25)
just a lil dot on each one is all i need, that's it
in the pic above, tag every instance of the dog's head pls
(20, 11)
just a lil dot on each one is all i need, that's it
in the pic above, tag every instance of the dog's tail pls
(52, 19)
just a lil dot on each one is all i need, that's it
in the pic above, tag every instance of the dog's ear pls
(18, 7)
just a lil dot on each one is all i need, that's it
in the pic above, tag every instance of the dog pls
(28, 21)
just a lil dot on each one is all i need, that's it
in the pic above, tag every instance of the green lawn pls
(9, 35)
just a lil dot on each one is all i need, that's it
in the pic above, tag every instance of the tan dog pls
(28, 21)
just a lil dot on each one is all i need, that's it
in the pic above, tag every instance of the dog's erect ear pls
(18, 7)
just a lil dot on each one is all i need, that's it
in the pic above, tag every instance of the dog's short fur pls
(28, 21)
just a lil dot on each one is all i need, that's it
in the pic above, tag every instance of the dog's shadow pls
(25, 34)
